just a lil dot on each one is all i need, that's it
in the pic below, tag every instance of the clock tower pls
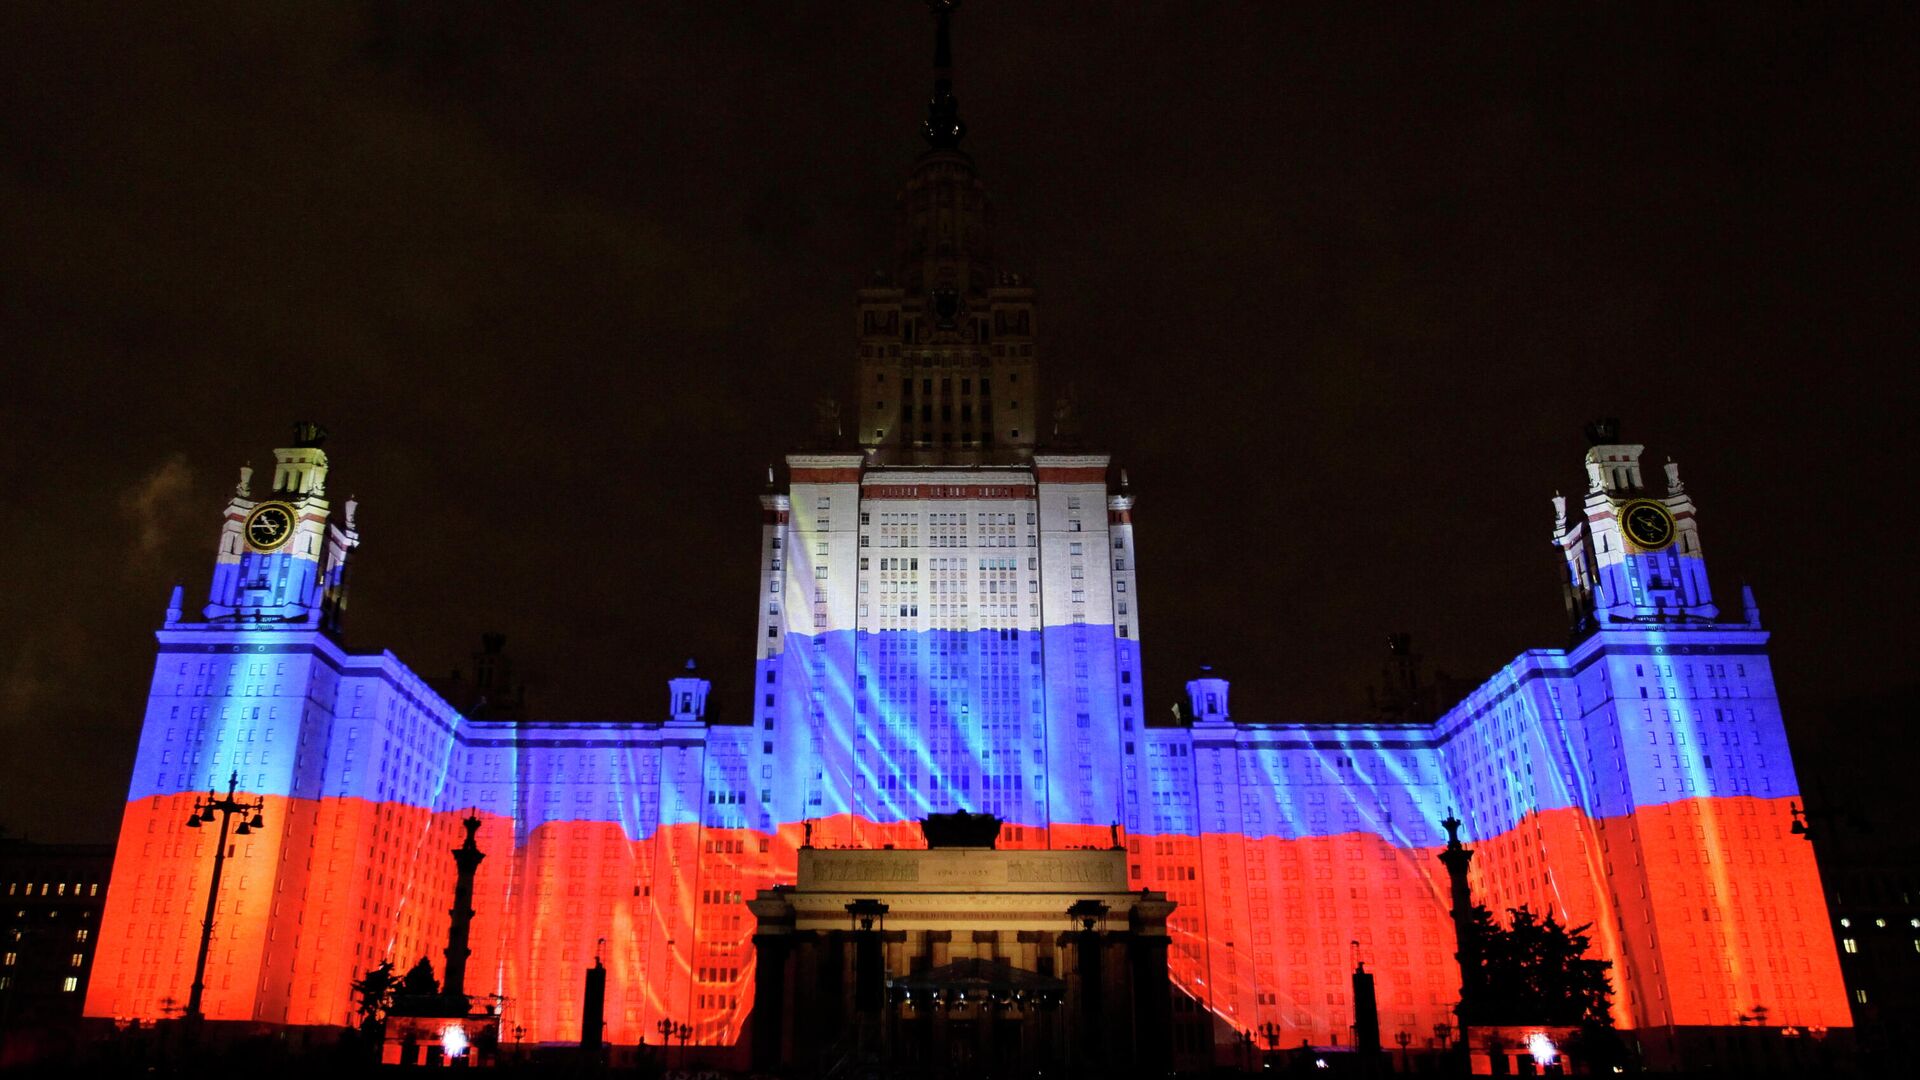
(280, 561)
(1633, 557)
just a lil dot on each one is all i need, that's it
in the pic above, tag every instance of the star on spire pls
(943, 128)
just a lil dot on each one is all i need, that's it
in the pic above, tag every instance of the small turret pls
(1207, 696)
(1616, 465)
(300, 469)
(688, 697)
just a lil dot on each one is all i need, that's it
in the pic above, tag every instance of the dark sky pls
(1338, 287)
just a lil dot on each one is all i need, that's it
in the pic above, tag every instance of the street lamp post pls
(670, 1031)
(1405, 1039)
(203, 811)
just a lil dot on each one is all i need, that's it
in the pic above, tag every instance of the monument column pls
(467, 857)
(1456, 859)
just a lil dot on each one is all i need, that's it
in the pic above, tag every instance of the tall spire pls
(943, 128)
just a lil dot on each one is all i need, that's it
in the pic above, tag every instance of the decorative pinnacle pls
(943, 128)
(308, 435)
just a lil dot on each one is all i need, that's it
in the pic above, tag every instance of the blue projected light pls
(893, 725)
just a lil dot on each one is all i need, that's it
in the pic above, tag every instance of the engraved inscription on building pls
(874, 868)
(1040, 870)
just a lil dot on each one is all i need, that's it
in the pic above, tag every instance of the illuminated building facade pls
(948, 618)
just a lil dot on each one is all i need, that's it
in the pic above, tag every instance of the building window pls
(70, 984)
(1850, 945)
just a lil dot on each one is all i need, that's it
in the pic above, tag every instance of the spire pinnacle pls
(943, 128)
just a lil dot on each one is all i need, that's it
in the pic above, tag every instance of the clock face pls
(269, 526)
(1648, 524)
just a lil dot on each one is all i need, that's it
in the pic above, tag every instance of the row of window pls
(68, 985)
(58, 888)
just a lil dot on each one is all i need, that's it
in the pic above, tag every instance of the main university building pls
(948, 617)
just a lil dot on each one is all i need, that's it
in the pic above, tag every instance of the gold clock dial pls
(1648, 524)
(269, 526)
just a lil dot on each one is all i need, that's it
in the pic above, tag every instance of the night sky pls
(1339, 288)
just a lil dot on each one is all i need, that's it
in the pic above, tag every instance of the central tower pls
(946, 372)
(948, 617)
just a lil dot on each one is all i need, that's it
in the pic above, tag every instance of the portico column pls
(1152, 988)
(772, 944)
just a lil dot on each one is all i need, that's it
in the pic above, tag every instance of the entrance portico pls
(961, 960)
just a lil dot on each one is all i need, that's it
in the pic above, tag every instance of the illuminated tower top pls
(1633, 555)
(947, 375)
(280, 561)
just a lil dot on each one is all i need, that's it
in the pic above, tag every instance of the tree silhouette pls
(416, 993)
(420, 982)
(1536, 971)
(375, 990)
